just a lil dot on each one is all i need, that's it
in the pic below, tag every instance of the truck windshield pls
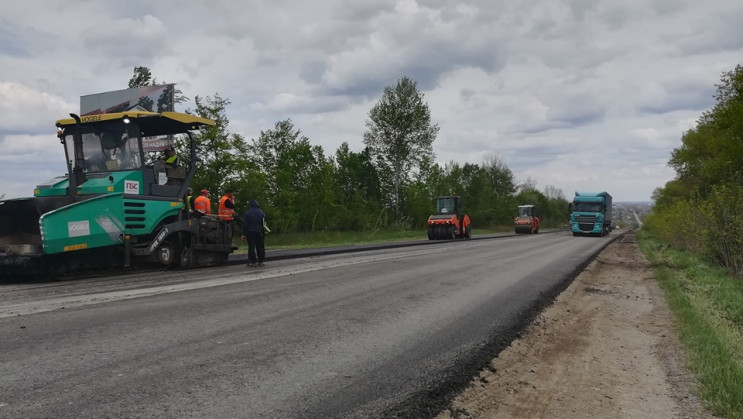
(525, 211)
(107, 148)
(587, 207)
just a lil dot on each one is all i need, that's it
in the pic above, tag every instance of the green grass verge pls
(286, 241)
(708, 305)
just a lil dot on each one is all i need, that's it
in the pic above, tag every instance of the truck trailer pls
(590, 213)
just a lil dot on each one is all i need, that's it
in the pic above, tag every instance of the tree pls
(501, 177)
(712, 152)
(222, 157)
(294, 173)
(399, 133)
(553, 192)
(358, 187)
(529, 184)
(556, 211)
(502, 187)
(143, 77)
(699, 210)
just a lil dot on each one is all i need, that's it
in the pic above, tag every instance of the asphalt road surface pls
(382, 333)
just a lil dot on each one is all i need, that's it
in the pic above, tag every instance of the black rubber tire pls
(166, 254)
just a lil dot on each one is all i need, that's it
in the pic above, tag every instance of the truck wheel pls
(166, 254)
(430, 233)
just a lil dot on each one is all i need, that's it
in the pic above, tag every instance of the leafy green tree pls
(502, 184)
(556, 213)
(291, 167)
(143, 77)
(712, 152)
(476, 193)
(553, 192)
(222, 157)
(419, 196)
(400, 133)
(359, 189)
(699, 210)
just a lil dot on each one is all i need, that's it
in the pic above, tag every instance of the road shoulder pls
(607, 347)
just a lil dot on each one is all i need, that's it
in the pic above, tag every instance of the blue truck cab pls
(590, 213)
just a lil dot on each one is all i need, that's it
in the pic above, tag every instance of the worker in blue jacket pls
(254, 232)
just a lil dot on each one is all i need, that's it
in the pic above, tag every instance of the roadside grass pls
(284, 241)
(708, 305)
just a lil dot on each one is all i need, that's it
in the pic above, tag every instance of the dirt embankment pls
(606, 348)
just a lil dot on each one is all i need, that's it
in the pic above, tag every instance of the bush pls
(710, 226)
(723, 235)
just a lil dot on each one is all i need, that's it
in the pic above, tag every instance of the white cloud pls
(23, 108)
(589, 94)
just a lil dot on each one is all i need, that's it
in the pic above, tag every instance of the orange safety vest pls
(224, 212)
(202, 204)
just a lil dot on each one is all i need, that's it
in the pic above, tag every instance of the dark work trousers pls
(256, 245)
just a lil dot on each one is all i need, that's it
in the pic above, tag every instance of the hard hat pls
(204, 191)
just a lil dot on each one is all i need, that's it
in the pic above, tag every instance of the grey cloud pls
(467, 94)
(362, 11)
(679, 95)
(127, 43)
(576, 117)
(312, 71)
(316, 105)
(698, 100)
(24, 41)
(535, 127)
(9, 44)
(530, 71)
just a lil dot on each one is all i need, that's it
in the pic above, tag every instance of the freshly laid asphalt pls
(238, 258)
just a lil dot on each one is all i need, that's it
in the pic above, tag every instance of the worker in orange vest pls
(227, 206)
(202, 205)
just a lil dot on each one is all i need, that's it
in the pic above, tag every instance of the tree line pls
(701, 209)
(392, 183)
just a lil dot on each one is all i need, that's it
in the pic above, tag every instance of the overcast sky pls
(580, 95)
